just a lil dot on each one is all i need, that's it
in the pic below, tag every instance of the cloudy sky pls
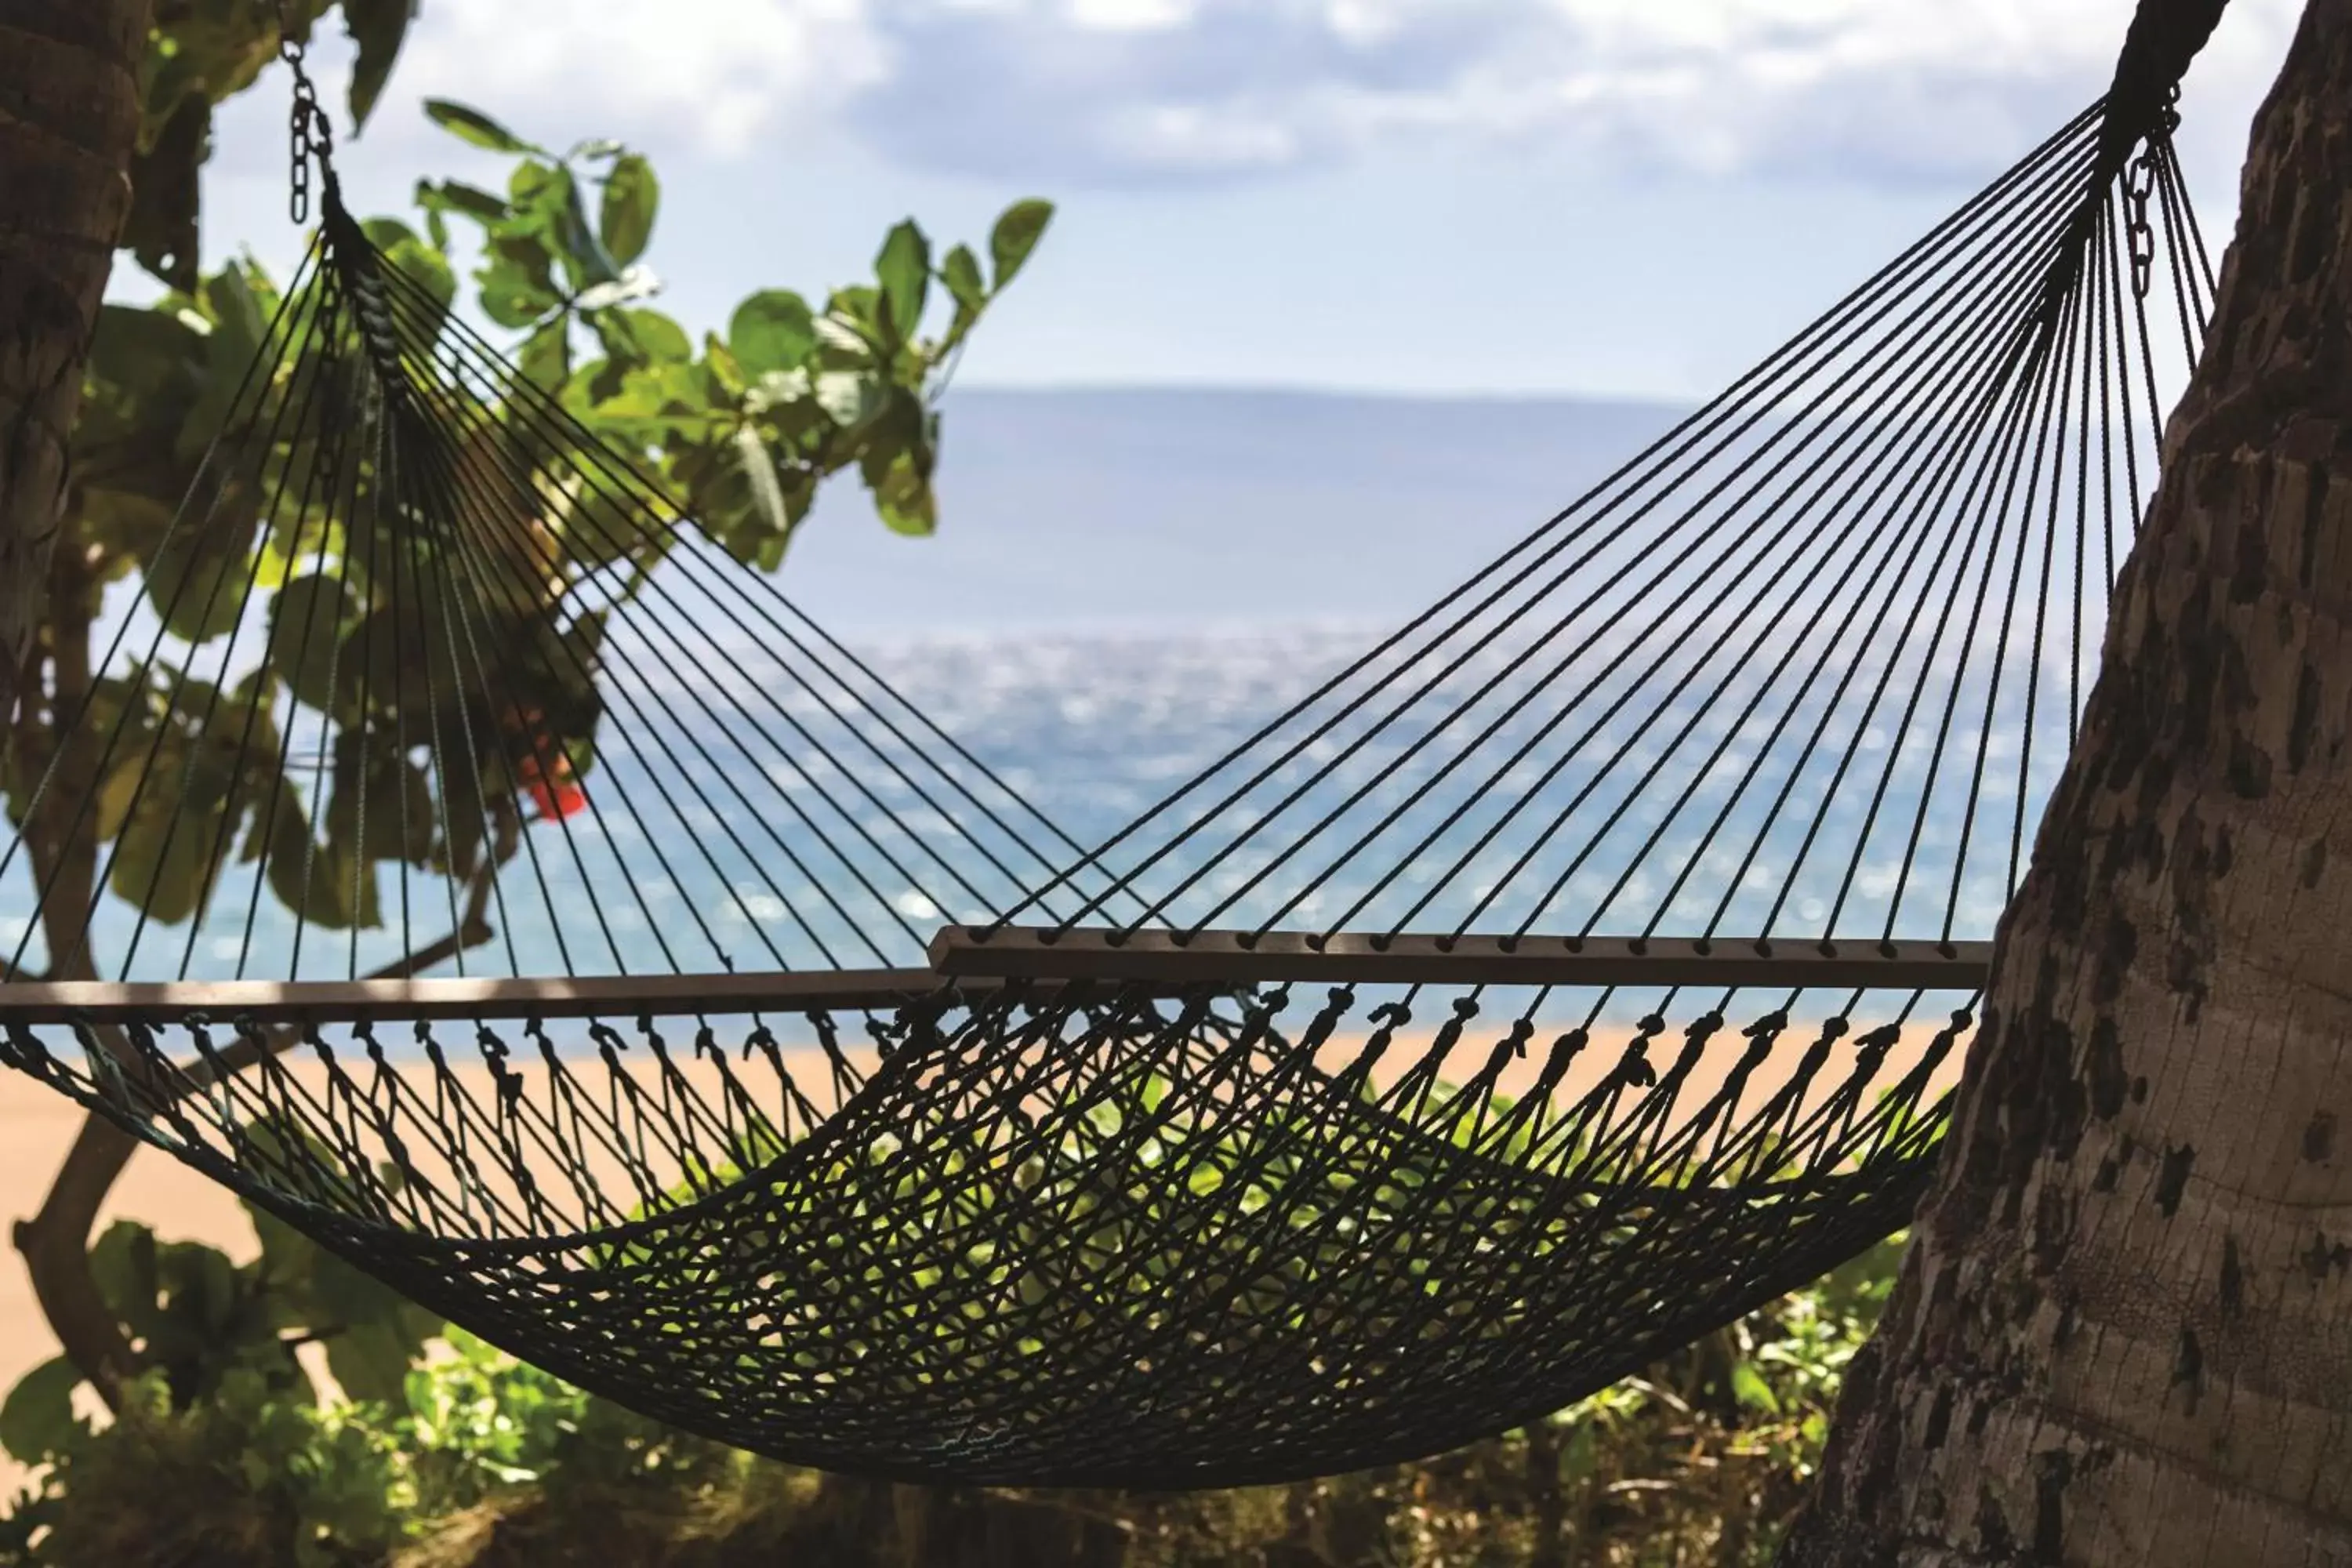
(1409, 196)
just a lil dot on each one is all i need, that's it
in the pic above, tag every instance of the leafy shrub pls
(478, 1461)
(247, 1475)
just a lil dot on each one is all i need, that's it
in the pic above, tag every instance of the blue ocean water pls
(1096, 629)
(1090, 727)
(1092, 731)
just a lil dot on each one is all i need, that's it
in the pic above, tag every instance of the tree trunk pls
(68, 122)
(69, 107)
(2124, 1332)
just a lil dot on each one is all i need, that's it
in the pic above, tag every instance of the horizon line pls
(1307, 390)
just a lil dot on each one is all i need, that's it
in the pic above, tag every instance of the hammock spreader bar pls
(405, 1000)
(1580, 967)
(1351, 958)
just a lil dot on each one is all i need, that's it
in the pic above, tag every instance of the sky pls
(1454, 197)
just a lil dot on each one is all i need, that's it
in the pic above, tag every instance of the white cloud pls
(1131, 15)
(1122, 90)
(723, 71)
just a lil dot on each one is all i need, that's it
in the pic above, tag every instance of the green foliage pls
(439, 1451)
(747, 430)
(625, 220)
(478, 1421)
(471, 125)
(38, 1420)
(770, 333)
(197, 1321)
(1015, 235)
(201, 53)
(247, 1476)
(476, 1459)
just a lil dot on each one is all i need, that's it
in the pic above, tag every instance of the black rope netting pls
(532, 905)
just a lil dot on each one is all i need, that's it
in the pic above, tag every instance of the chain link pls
(308, 133)
(2139, 185)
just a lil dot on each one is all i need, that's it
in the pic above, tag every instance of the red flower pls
(548, 783)
(558, 800)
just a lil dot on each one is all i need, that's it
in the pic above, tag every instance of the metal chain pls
(307, 132)
(2140, 185)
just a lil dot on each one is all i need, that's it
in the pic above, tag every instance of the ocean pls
(1125, 587)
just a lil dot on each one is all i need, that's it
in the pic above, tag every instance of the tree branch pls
(64, 861)
(250, 1048)
(55, 1241)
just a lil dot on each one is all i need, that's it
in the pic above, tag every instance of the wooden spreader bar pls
(1025, 953)
(976, 962)
(619, 996)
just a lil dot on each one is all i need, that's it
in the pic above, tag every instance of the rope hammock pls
(539, 912)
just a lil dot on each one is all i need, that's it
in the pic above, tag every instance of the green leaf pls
(550, 214)
(850, 331)
(238, 321)
(384, 233)
(352, 1297)
(306, 627)
(376, 29)
(843, 340)
(117, 794)
(202, 1285)
(162, 858)
(238, 317)
(397, 820)
(1017, 234)
(546, 357)
(960, 273)
(725, 368)
(1747, 1387)
(473, 126)
(37, 1421)
(318, 880)
(195, 580)
(641, 337)
(371, 1361)
(455, 196)
(421, 263)
(773, 329)
(904, 499)
(631, 196)
(286, 1253)
(767, 487)
(850, 399)
(122, 1266)
(514, 291)
(904, 270)
(138, 349)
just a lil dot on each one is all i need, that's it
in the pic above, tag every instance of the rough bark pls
(68, 122)
(2124, 1332)
(55, 1242)
(69, 109)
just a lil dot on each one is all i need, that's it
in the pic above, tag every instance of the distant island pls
(1165, 509)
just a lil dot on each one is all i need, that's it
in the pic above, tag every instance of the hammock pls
(1577, 970)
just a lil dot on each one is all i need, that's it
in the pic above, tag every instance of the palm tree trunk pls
(2124, 1332)
(68, 120)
